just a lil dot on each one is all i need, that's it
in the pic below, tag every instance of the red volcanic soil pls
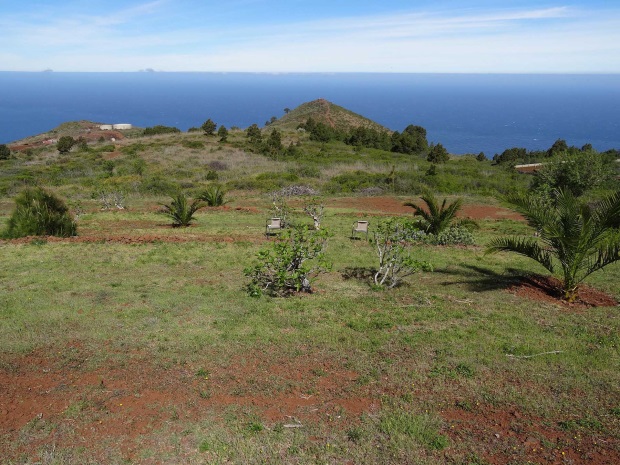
(392, 205)
(549, 289)
(122, 406)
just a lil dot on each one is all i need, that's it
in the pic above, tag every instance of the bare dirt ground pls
(124, 406)
(391, 205)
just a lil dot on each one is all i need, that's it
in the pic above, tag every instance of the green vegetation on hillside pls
(137, 342)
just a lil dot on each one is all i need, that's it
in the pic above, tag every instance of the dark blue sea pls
(466, 113)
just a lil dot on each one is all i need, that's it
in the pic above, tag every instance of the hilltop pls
(323, 111)
(87, 130)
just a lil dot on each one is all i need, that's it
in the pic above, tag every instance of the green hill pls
(327, 113)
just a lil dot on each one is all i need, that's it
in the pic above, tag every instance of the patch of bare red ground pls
(121, 404)
(549, 289)
(137, 239)
(510, 437)
(393, 205)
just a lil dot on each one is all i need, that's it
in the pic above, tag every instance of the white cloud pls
(530, 40)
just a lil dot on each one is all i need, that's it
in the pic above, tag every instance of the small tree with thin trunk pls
(209, 127)
(395, 255)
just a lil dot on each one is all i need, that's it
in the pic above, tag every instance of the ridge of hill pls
(325, 112)
(87, 130)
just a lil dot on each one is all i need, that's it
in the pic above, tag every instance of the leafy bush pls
(355, 181)
(5, 152)
(65, 144)
(39, 213)
(213, 196)
(193, 144)
(180, 211)
(159, 129)
(295, 259)
(454, 235)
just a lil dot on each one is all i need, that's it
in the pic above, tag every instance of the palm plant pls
(180, 210)
(213, 196)
(435, 218)
(574, 238)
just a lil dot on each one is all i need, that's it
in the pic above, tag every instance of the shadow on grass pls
(480, 279)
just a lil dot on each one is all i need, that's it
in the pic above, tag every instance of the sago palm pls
(574, 239)
(435, 218)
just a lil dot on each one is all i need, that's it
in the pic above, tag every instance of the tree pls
(222, 133)
(273, 144)
(438, 154)
(5, 152)
(65, 144)
(511, 155)
(40, 213)
(559, 146)
(287, 110)
(575, 239)
(254, 134)
(411, 141)
(578, 173)
(434, 218)
(209, 127)
(481, 157)
(394, 254)
(315, 208)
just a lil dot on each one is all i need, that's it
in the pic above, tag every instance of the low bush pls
(213, 196)
(193, 144)
(39, 213)
(160, 129)
(355, 181)
(454, 235)
(294, 261)
(180, 211)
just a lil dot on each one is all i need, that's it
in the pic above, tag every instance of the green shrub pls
(39, 213)
(65, 144)
(296, 258)
(5, 152)
(356, 180)
(454, 235)
(159, 129)
(193, 144)
(180, 211)
(213, 196)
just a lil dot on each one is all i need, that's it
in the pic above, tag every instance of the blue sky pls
(470, 36)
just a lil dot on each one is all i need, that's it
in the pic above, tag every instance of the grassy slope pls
(421, 352)
(150, 317)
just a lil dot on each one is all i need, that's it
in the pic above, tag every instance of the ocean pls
(467, 113)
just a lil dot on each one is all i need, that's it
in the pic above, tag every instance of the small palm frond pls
(524, 246)
(607, 211)
(436, 218)
(535, 211)
(180, 211)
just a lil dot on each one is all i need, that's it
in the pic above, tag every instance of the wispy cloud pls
(502, 40)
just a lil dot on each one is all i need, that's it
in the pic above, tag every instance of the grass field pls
(136, 343)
